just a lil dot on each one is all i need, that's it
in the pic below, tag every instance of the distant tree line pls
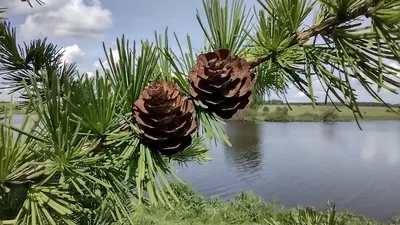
(15, 102)
(368, 104)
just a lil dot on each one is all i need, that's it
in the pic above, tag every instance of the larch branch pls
(325, 26)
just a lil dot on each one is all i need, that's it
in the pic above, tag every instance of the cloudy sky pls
(81, 26)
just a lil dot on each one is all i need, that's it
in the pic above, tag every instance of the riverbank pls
(17, 108)
(244, 209)
(306, 113)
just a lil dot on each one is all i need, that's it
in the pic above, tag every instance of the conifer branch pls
(325, 26)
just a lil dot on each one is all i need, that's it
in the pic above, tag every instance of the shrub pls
(333, 116)
(330, 115)
(308, 116)
(285, 110)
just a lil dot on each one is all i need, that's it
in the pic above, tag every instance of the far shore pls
(297, 113)
(306, 113)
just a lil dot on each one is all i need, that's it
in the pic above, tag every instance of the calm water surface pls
(306, 164)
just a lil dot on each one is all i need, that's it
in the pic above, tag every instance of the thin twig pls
(30, 4)
(325, 26)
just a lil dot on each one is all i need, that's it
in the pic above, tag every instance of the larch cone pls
(165, 116)
(223, 82)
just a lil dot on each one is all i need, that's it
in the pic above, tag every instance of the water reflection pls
(308, 164)
(369, 148)
(393, 153)
(245, 154)
(380, 144)
(329, 131)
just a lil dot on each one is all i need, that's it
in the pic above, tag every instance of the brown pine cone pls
(223, 82)
(165, 117)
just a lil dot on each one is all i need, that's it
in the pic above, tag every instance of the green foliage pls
(78, 158)
(13, 168)
(279, 114)
(244, 208)
(20, 63)
(274, 35)
(227, 26)
(94, 106)
(330, 114)
(336, 50)
(83, 157)
(269, 81)
(133, 71)
(283, 110)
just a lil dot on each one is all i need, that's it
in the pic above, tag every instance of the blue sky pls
(81, 26)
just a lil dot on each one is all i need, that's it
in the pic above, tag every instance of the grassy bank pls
(306, 113)
(244, 209)
(17, 108)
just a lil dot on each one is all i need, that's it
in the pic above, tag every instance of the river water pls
(306, 164)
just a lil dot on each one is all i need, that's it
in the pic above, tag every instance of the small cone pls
(165, 117)
(223, 82)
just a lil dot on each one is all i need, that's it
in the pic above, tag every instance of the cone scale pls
(165, 116)
(223, 82)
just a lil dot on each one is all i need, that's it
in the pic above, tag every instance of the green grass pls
(245, 209)
(307, 113)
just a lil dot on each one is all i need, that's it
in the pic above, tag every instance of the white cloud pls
(97, 64)
(72, 54)
(75, 19)
(90, 74)
(299, 94)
